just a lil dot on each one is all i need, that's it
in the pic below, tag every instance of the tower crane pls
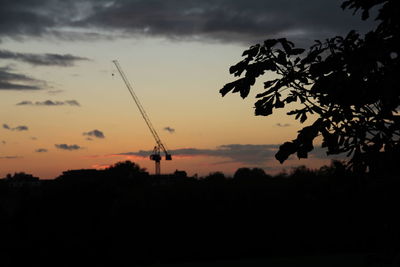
(156, 155)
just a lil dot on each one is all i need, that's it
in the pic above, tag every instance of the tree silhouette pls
(349, 84)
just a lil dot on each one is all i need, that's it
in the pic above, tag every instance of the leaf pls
(227, 88)
(264, 106)
(285, 45)
(285, 151)
(281, 58)
(243, 86)
(268, 84)
(270, 43)
(252, 51)
(297, 51)
(290, 99)
(279, 103)
(238, 68)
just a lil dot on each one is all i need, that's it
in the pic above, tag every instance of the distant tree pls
(215, 177)
(336, 168)
(21, 177)
(127, 169)
(249, 174)
(350, 85)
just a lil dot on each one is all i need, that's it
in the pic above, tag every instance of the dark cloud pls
(249, 154)
(18, 128)
(244, 21)
(3, 142)
(95, 133)
(67, 147)
(42, 59)
(49, 103)
(41, 150)
(256, 155)
(169, 129)
(10, 80)
(282, 124)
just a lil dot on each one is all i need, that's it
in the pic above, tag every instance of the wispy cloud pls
(67, 147)
(53, 92)
(41, 150)
(49, 103)
(169, 129)
(48, 59)
(18, 128)
(94, 133)
(10, 157)
(10, 80)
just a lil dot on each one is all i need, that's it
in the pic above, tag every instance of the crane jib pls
(160, 145)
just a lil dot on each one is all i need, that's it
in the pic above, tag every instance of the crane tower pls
(156, 155)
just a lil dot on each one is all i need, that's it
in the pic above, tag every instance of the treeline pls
(124, 217)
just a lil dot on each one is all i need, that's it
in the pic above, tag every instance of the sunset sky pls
(64, 105)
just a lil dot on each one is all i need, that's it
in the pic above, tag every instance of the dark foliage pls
(347, 85)
(94, 218)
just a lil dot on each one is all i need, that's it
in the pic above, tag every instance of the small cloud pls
(3, 142)
(55, 91)
(89, 139)
(67, 147)
(169, 129)
(49, 103)
(33, 138)
(95, 133)
(18, 128)
(41, 150)
(10, 157)
(21, 128)
(282, 125)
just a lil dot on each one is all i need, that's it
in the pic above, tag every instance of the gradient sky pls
(62, 107)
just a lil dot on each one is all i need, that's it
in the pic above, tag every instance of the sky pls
(64, 105)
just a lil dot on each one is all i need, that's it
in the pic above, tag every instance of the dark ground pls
(119, 219)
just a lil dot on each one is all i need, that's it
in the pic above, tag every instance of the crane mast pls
(156, 157)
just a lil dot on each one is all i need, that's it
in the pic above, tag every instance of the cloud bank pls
(244, 21)
(250, 155)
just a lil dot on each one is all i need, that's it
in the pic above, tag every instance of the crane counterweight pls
(156, 155)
